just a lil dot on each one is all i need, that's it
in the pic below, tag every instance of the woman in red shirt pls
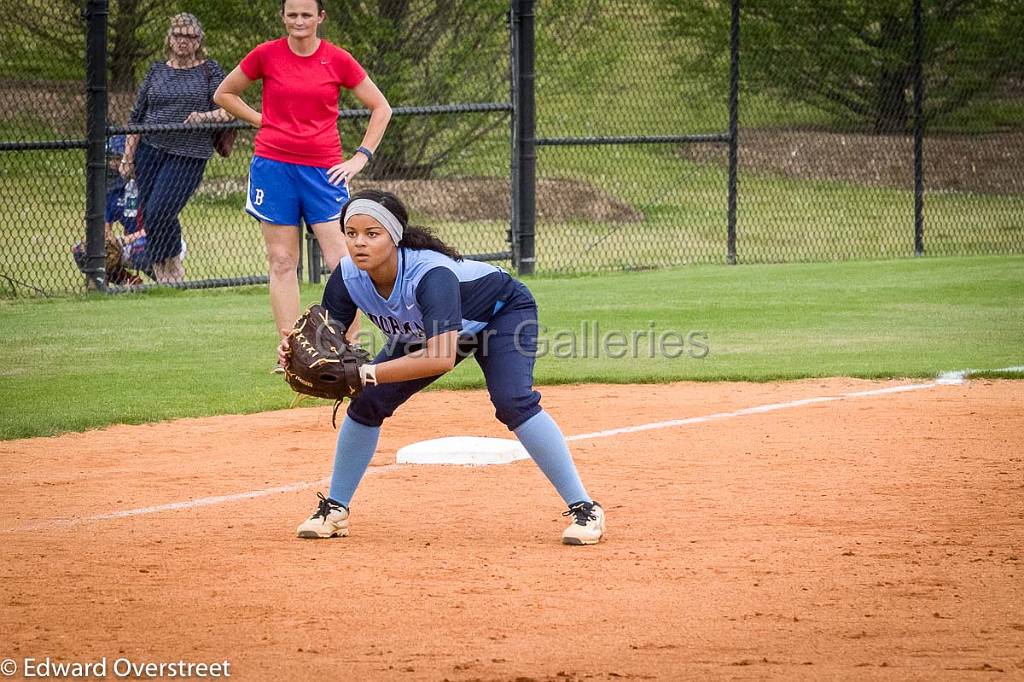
(298, 171)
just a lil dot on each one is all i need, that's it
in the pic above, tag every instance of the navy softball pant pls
(506, 350)
(166, 183)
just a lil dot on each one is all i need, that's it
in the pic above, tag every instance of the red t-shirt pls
(300, 101)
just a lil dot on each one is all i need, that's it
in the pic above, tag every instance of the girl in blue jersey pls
(436, 309)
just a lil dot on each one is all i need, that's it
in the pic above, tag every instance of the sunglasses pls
(184, 36)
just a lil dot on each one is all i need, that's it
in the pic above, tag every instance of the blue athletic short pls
(283, 193)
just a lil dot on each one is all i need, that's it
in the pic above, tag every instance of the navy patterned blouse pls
(169, 95)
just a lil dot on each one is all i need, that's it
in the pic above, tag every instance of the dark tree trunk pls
(397, 158)
(126, 48)
(892, 108)
(122, 73)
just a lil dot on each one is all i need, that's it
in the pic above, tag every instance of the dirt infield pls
(873, 536)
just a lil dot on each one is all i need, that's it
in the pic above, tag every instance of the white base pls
(465, 450)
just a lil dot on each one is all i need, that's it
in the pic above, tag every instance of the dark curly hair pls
(413, 236)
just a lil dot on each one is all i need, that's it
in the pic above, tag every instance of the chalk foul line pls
(757, 409)
(944, 379)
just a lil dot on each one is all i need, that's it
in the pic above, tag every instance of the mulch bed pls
(984, 164)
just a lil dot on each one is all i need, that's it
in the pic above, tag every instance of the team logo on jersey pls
(395, 327)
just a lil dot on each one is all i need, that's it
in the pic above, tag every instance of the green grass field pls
(876, 318)
(82, 362)
(587, 90)
(683, 205)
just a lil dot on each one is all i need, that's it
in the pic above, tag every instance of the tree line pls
(853, 59)
(849, 58)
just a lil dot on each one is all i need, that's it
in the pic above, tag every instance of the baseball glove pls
(321, 362)
(113, 247)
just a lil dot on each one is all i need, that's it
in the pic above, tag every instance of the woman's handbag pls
(223, 140)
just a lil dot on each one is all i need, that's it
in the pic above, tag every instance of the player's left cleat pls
(587, 526)
(329, 520)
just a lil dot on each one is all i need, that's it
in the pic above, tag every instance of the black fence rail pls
(68, 124)
(556, 136)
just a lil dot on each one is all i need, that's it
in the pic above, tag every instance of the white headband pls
(378, 212)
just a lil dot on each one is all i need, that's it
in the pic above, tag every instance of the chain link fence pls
(632, 132)
(615, 116)
(447, 153)
(826, 162)
(42, 166)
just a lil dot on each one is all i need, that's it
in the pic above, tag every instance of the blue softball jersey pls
(433, 294)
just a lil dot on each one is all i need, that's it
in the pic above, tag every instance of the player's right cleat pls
(587, 526)
(277, 368)
(328, 521)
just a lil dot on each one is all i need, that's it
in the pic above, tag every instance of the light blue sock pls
(544, 441)
(356, 445)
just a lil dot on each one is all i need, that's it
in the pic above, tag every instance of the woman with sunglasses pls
(169, 165)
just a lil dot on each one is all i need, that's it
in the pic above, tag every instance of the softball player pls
(435, 309)
(297, 169)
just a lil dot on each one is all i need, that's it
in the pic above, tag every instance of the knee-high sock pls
(544, 441)
(356, 445)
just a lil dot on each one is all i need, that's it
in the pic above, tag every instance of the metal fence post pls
(301, 237)
(734, 120)
(96, 140)
(918, 131)
(524, 149)
(513, 121)
(314, 258)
